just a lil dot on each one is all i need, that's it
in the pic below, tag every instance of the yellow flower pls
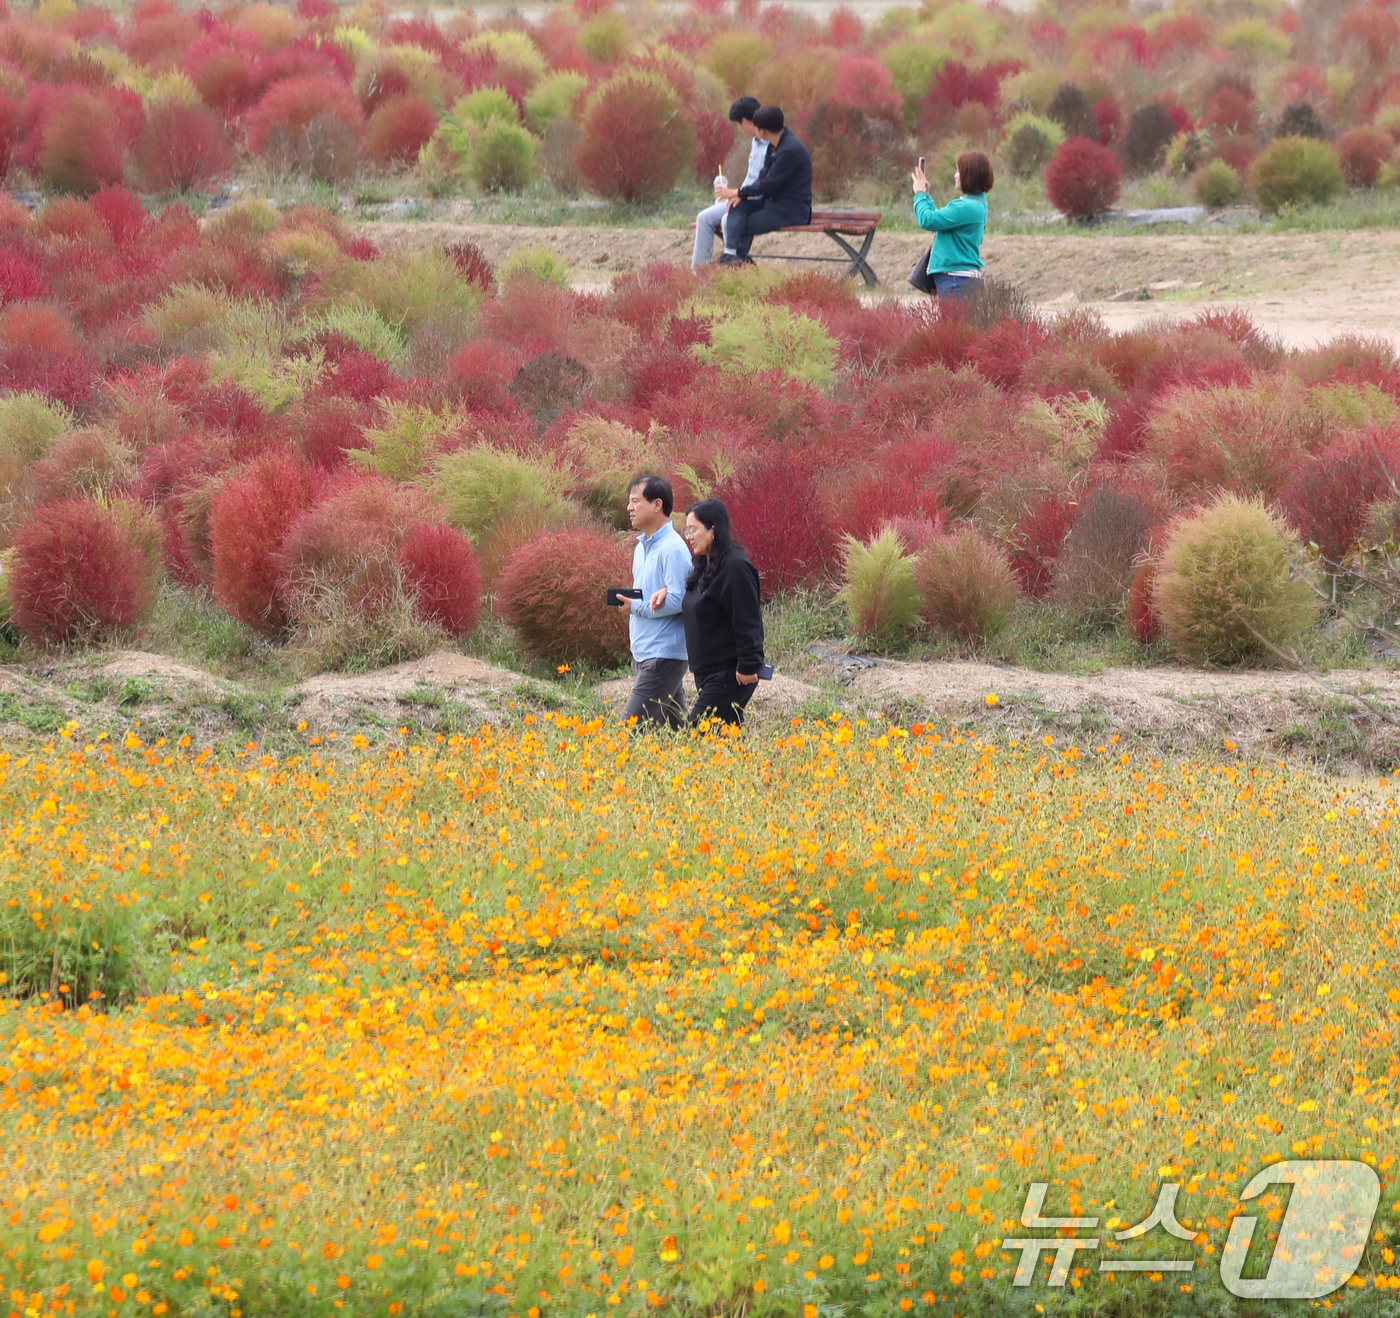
(990, 698)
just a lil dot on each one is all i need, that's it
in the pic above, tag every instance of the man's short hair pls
(654, 488)
(769, 118)
(744, 108)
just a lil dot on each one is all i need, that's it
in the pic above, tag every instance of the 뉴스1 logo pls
(1320, 1240)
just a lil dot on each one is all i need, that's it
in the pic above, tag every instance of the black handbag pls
(919, 275)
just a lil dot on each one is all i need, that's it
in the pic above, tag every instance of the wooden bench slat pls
(828, 228)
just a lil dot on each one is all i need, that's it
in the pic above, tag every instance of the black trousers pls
(750, 218)
(720, 697)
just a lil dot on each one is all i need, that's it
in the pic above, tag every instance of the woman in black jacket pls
(723, 621)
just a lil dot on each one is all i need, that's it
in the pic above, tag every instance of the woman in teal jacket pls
(956, 259)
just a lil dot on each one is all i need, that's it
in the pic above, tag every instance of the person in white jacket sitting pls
(710, 221)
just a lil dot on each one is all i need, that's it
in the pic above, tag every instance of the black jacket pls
(723, 621)
(786, 179)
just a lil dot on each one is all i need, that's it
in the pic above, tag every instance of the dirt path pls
(1302, 287)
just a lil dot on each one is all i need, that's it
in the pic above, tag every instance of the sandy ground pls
(1305, 288)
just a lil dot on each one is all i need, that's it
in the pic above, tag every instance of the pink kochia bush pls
(551, 595)
(1083, 179)
(439, 569)
(249, 521)
(79, 572)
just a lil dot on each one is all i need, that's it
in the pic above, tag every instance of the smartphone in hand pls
(922, 162)
(616, 594)
(765, 672)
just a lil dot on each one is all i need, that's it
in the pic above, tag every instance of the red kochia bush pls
(1144, 622)
(1036, 541)
(399, 129)
(780, 520)
(20, 279)
(83, 143)
(440, 569)
(551, 596)
(1083, 179)
(295, 102)
(1327, 497)
(183, 146)
(1362, 152)
(619, 162)
(78, 573)
(9, 130)
(249, 522)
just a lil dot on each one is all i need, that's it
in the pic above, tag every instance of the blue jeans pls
(954, 287)
(708, 223)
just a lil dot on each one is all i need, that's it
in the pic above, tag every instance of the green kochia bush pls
(772, 339)
(966, 586)
(1225, 590)
(880, 594)
(502, 157)
(479, 484)
(1295, 170)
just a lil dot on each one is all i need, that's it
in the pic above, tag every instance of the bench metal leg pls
(859, 265)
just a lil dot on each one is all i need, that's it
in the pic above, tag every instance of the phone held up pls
(616, 594)
(923, 160)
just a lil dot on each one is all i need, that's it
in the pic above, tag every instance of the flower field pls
(547, 1020)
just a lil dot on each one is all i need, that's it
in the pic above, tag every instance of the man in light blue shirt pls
(710, 221)
(660, 565)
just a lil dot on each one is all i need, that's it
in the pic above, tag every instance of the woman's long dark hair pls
(713, 516)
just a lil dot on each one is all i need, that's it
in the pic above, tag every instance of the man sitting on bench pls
(710, 221)
(781, 196)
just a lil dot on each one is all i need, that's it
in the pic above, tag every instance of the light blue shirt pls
(660, 559)
(758, 154)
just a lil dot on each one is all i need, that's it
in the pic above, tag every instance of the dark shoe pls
(728, 259)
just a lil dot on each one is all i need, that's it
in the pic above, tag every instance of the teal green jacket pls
(957, 231)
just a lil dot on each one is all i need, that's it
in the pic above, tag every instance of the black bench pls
(838, 225)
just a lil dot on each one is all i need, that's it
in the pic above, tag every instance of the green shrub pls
(1187, 153)
(912, 64)
(512, 49)
(880, 595)
(1028, 142)
(1292, 171)
(1224, 590)
(538, 263)
(1216, 185)
(553, 98)
(606, 454)
(483, 105)
(360, 325)
(736, 57)
(479, 484)
(768, 338)
(604, 37)
(966, 586)
(405, 442)
(502, 158)
(406, 289)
